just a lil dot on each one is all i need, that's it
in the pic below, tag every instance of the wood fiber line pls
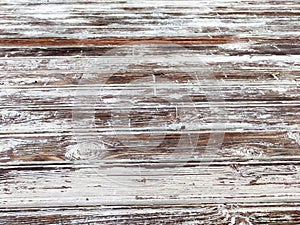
(49, 42)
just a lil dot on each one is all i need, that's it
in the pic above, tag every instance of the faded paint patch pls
(294, 136)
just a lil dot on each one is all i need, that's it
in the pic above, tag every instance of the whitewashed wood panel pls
(200, 127)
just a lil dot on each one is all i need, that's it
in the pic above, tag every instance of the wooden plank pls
(117, 18)
(217, 191)
(197, 214)
(151, 183)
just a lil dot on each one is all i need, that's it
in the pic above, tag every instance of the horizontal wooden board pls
(199, 214)
(142, 19)
(219, 192)
(146, 182)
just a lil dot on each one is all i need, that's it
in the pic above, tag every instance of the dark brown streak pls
(46, 42)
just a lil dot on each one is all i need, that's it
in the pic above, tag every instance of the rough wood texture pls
(149, 112)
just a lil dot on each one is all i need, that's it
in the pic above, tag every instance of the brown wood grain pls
(201, 128)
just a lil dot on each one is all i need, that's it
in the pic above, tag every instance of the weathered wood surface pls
(199, 126)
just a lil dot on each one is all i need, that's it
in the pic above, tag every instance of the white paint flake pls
(294, 136)
(243, 151)
(85, 150)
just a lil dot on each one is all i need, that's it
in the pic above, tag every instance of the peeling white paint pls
(200, 184)
(243, 150)
(294, 136)
(237, 46)
(85, 150)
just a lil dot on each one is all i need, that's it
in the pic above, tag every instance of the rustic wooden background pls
(147, 172)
